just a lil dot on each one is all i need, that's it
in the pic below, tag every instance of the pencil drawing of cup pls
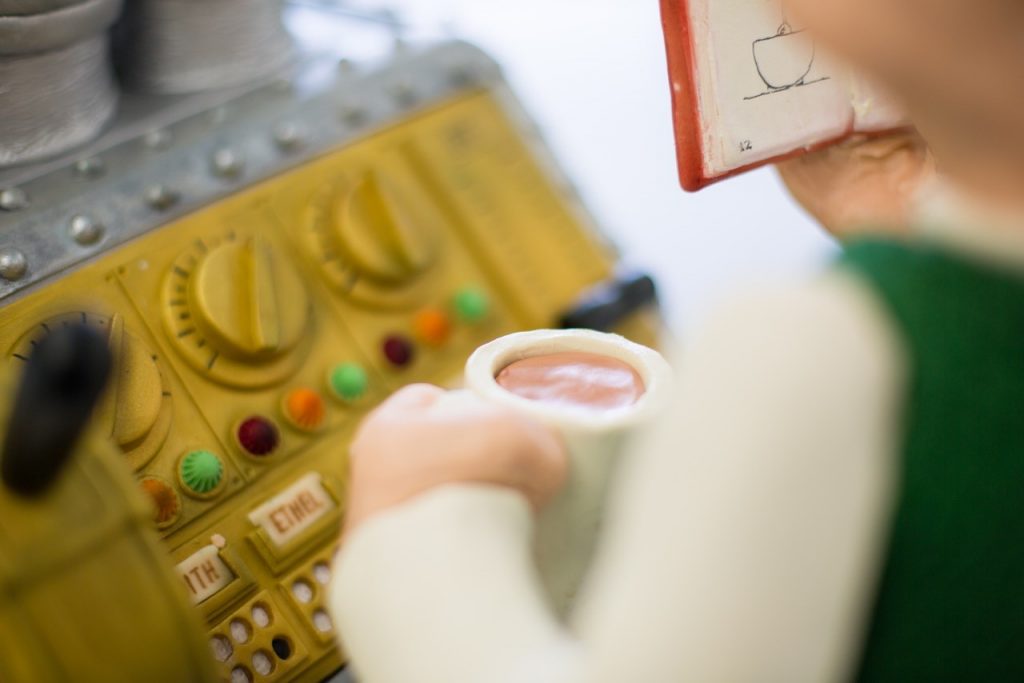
(784, 60)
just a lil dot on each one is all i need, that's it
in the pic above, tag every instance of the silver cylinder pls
(180, 46)
(56, 85)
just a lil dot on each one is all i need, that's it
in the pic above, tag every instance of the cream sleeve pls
(744, 534)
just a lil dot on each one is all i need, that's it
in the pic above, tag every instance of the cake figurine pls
(833, 491)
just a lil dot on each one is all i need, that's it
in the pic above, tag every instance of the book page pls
(763, 86)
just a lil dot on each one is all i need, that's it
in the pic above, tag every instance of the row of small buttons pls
(200, 473)
(433, 326)
(303, 408)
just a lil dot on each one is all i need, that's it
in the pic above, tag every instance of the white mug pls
(569, 527)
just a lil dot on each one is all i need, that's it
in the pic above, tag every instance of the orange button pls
(432, 327)
(166, 505)
(304, 408)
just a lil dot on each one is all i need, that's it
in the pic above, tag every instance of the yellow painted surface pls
(218, 317)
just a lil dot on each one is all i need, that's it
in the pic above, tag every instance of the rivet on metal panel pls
(353, 115)
(159, 139)
(161, 198)
(462, 76)
(93, 167)
(85, 231)
(288, 137)
(404, 93)
(13, 264)
(13, 199)
(227, 163)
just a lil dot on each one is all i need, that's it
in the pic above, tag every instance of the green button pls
(472, 305)
(349, 381)
(201, 471)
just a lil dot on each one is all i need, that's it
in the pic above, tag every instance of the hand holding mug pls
(419, 440)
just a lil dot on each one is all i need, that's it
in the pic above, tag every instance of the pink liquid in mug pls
(586, 380)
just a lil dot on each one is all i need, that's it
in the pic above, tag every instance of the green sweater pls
(950, 602)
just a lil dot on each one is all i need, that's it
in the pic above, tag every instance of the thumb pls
(413, 397)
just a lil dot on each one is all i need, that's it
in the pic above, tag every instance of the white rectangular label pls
(294, 510)
(205, 574)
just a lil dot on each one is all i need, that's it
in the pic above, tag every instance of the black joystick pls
(63, 381)
(610, 303)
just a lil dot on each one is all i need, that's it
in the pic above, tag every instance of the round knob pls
(134, 399)
(136, 409)
(248, 302)
(384, 230)
(201, 472)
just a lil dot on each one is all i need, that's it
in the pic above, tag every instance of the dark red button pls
(258, 436)
(398, 350)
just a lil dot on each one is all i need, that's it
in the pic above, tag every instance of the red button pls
(258, 436)
(399, 351)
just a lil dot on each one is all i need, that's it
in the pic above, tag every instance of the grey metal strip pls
(127, 185)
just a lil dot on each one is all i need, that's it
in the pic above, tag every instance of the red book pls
(749, 88)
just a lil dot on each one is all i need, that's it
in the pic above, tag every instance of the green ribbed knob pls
(201, 471)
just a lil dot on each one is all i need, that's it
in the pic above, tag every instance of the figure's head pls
(958, 65)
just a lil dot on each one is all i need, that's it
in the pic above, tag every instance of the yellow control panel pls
(252, 336)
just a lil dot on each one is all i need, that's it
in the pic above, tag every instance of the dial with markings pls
(237, 311)
(136, 407)
(376, 236)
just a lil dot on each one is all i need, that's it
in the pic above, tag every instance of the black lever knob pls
(63, 381)
(609, 303)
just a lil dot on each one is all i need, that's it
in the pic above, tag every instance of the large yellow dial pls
(238, 310)
(384, 233)
(247, 301)
(136, 408)
(134, 396)
(377, 236)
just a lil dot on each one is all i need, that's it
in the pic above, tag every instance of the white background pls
(593, 74)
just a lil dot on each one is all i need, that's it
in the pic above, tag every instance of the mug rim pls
(487, 361)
